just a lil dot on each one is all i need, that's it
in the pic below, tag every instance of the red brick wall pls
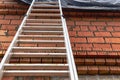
(11, 15)
(95, 40)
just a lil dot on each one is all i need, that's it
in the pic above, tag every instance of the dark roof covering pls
(87, 4)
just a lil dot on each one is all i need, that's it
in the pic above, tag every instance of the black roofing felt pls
(87, 4)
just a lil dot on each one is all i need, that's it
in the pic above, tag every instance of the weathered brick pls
(99, 23)
(72, 33)
(114, 70)
(82, 69)
(84, 28)
(6, 38)
(85, 34)
(8, 78)
(70, 23)
(79, 61)
(92, 28)
(100, 61)
(4, 21)
(102, 45)
(77, 40)
(12, 17)
(103, 70)
(116, 34)
(112, 40)
(82, 23)
(16, 22)
(95, 40)
(92, 70)
(110, 62)
(113, 23)
(83, 45)
(103, 34)
(89, 61)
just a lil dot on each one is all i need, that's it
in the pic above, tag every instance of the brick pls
(98, 23)
(79, 61)
(89, 61)
(8, 78)
(12, 11)
(82, 23)
(76, 28)
(92, 28)
(115, 45)
(114, 70)
(101, 28)
(56, 60)
(103, 70)
(83, 45)
(84, 28)
(72, 33)
(35, 60)
(116, 34)
(102, 54)
(95, 40)
(18, 22)
(109, 28)
(4, 21)
(6, 38)
(104, 19)
(100, 61)
(112, 40)
(24, 60)
(70, 23)
(78, 40)
(118, 62)
(3, 12)
(102, 45)
(9, 27)
(89, 18)
(85, 34)
(82, 70)
(113, 23)
(92, 70)
(113, 54)
(110, 62)
(80, 54)
(11, 33)
(12, 17)
(1, 16)
(103, 34)
(92, 54)
(2, 32)
(116, 28)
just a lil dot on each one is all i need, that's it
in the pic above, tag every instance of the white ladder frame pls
(8, 52)
(71, 62)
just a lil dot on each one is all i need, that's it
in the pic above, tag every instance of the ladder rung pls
(46, 3)
(38, 48)
(39, 54)
(46, 6)
(31, 32)
(39, 28)
(36, 73)
(39, 36)
(40, 41)
(37, 66)
(45, 10)
(46, 15)
(43, 20)
(43, 24)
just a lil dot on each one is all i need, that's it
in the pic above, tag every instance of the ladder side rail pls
(8, 54)
(72, 67)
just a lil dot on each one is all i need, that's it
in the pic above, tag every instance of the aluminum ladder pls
(42, 34)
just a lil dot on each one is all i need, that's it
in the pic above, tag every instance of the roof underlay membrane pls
(87, 4)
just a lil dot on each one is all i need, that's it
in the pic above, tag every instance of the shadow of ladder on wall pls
(42, 34)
